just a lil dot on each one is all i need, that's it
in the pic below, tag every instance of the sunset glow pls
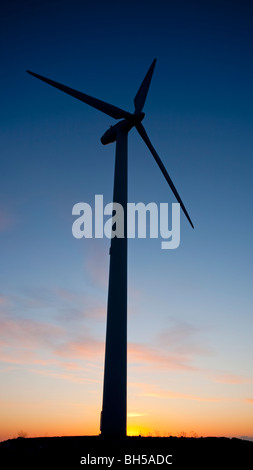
(189, 309)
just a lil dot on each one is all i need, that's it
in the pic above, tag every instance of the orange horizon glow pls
(52, 381)
(40, 425)
(60, 394)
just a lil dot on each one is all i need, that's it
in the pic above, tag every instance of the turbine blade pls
(141, 95)
(106, 108)
(145, 137)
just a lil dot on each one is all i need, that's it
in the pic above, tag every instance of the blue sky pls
(190, 310)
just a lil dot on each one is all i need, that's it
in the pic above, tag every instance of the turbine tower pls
(114, 409)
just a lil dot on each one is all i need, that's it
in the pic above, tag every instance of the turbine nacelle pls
(125, 125)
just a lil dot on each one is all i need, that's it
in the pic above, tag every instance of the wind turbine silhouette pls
(114, 410)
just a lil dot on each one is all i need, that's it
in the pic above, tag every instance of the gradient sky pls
(190, 320)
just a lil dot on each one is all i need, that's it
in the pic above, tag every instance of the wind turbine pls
(114, 410)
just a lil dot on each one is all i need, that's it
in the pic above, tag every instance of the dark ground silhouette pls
(183, 453)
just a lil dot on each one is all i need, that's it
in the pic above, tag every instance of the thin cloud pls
(145, 355)
(97, 263)
(233, 379)
(6, 220)
(65, 294)
(75, 306)
(91, 312)
(180, 396)
(154, 392)
(83, 348)
(26, 333)
(3, 300)
(134, 414)
(65, 376)
(184, 339)
(26, 341)
(29, 341)
(17, 356)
